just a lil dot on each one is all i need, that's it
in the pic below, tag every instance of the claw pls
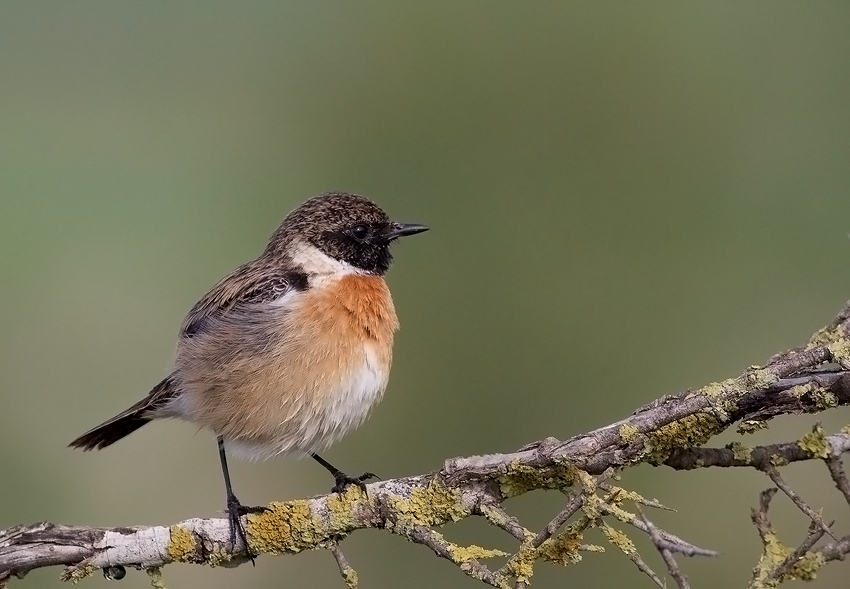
(235, 511)
(343, 481)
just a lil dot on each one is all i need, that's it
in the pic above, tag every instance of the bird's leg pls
(342, 480)
(235, 510)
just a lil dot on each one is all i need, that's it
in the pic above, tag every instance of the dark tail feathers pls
(126, 422)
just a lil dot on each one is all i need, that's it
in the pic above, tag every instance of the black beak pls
(397, 230)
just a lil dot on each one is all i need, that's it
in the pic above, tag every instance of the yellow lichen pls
(562, 550)
(292, 527)
(815, 443)
(840, 349)
(801, 389)
(693, 430)
(465, 553)
(715, 389)
(181, 546)
(286, 527)
(349, 577)
(218, 558)
(520, 478)
(618, 539)
(773, 554)
(758, 379)
(824, 398)
(845, 430)
(434, 505)
(628, 433)
(77, 574)
(751, 426)
(341, 506)
(521, 565)
(740, 452)
(777, 460)
(618, 494)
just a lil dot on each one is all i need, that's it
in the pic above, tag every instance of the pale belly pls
(277, 417)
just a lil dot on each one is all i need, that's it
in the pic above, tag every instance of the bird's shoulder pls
(254, 283)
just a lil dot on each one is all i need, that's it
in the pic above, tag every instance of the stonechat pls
(291, 350)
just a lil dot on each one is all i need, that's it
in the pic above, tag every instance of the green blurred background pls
(626, 200)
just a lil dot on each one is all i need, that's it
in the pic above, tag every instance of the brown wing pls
(248, 284)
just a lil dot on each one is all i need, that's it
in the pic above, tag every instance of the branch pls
(810, 379)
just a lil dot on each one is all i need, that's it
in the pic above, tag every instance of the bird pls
(288, 352)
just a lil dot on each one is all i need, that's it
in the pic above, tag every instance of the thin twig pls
(777, 479)
(666, 555)
(839, 477)
(349, 575)
(435, 541)
(670, 541)
(500, 518)
(644, 568)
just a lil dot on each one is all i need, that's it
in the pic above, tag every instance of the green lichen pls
(824, 398)
(740, 452)
(349, 577)
(218, 558)
(715, 389)
(521, 565)
(434, 505)
(181, 546)
(77, 574)
(693, 430)
(473, 552)
(155, 573)
(757, 379)
(777, 460)
(617, 495)
(815, 443)
(628, 433)
(751, 426)
(563, 549)
(840, 349)
(618, 539)
(520, 478)
(801, 390)
(773, 554)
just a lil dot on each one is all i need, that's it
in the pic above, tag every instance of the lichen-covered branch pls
(670, 431)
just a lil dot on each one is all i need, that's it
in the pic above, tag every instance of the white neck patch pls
(314, 261)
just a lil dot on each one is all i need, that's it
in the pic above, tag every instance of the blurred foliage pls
(627, 199)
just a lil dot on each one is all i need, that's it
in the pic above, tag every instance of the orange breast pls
(361, 304)
(320, 367)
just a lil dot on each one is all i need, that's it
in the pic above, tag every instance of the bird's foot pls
(343, 481)
(235, 511)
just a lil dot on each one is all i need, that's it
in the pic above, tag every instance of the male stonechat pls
(291, 350)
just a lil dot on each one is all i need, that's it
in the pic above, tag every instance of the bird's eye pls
(359, 231)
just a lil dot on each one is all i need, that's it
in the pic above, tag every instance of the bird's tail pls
(126, 422)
